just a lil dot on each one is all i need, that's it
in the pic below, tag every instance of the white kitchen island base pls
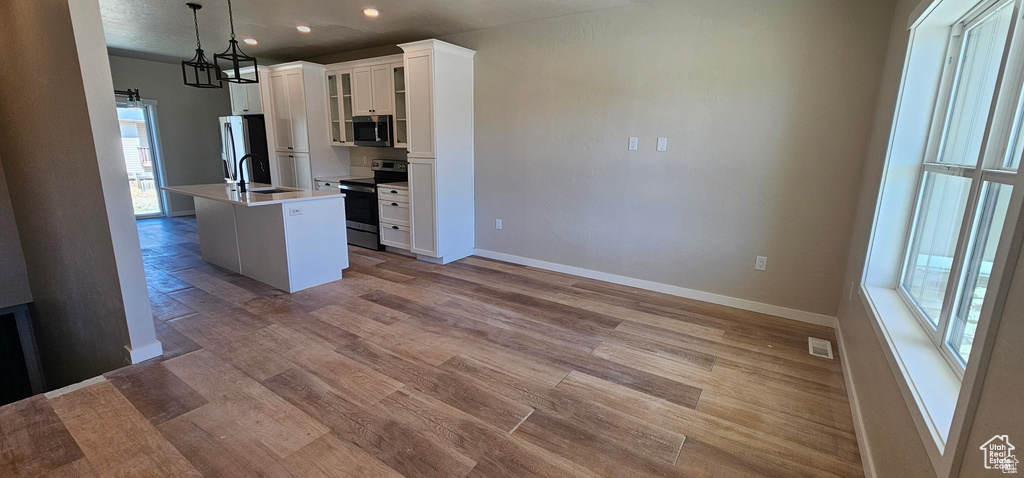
(291, 241)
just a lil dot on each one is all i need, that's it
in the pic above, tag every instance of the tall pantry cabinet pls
(302, 141)
(439, 116)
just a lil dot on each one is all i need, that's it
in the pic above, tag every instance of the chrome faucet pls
(241, 171)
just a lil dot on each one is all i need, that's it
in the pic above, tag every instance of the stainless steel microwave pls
(373, 130)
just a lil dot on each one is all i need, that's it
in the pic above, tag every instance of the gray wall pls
(65, 173)
(187, 117)
(768, 109)
(999, 403)
(894, 442)
(14, 288)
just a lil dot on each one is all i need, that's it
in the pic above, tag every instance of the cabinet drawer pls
(394, 235)
(387, 193)
(394, 212)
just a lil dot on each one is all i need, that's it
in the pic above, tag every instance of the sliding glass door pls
(141, 159)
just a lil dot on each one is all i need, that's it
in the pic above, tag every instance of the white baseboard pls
(142, 354)
(867, 461)
(75, 386)
(190, 212)
(784, 312)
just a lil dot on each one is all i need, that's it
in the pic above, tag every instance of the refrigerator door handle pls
(234, 154)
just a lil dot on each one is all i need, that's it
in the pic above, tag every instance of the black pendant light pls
(200, 72)
(231, 63)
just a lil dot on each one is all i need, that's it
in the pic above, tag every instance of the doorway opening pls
(142, 159)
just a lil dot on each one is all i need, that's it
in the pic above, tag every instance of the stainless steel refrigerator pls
(242, 135)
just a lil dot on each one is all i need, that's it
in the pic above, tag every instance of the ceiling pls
(163, 29)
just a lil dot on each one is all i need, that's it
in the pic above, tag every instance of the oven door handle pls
(359, 189)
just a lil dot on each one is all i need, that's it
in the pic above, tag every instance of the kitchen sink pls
(270, 191)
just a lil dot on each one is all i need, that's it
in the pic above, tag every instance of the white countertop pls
(335, 179)
(220, 192)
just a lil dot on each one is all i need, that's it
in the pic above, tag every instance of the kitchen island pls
(291, 239)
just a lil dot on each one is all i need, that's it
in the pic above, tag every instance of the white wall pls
(767, 107)
(189, 136)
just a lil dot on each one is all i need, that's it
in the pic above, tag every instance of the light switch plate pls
(294, 211)
(662, 144)
(634, 143)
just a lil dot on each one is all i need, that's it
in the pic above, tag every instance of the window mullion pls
(959, 259)
(944, 99)
(951, 169)
(1000, 176)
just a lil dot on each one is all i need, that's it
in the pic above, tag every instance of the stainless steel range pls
(361, 209)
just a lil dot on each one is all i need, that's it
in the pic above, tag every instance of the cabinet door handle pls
(394, 192)
(290, 147)
(394, 204)
(394, 227)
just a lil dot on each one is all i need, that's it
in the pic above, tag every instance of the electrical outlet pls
(634, 143)
(366, 161)
(294, 211)
(662, 144)
(497, 224)
(761, 264)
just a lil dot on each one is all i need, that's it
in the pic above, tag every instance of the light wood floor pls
(477, 368)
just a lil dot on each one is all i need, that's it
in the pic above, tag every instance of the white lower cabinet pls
(423, 213)
(294, 170)
(393, 208)
(393, 235)
(393, 212)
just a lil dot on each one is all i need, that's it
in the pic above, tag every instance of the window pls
(970, 163)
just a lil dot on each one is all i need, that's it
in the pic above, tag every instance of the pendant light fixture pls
(231, 63)
(200, 72)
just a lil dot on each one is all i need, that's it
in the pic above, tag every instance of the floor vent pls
(819, 347)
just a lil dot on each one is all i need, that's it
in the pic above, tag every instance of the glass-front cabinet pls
(339, 96)
(401, 125)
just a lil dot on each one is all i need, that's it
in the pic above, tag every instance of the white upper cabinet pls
(281, 112)
(289, 105)
(383, 90)
(297, 104)
(362, 91)
(239, 99)
(339, 107)
(401, 122)
(297, 111)
(252, 93)
(372, 90)
(245, 99)
(419, 100)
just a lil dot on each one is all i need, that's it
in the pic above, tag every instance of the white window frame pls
(987, 169)
(940, 401)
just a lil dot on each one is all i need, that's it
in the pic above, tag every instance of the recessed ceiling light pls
(250, 41)
(371, 12)
(304, 28)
